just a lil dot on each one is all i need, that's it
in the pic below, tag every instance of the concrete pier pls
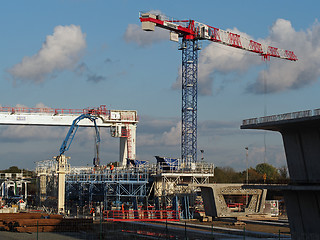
(301, 138)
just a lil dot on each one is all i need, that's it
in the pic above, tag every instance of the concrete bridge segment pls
(301, 137)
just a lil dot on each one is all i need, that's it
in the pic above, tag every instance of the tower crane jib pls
(200, 31)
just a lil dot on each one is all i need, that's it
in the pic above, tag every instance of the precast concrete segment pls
(301, 139)
(216, 206)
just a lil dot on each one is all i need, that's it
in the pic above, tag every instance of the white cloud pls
(283, 75)
(172, 137)
(273, 154)
(28, 133)
(158, 132)
(134, 33)
(147, 139)
(61, 50)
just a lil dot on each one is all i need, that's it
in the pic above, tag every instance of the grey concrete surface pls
(301, 139)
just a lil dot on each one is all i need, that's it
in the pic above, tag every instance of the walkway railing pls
(141, 215)
(98, 110)
(281, 117)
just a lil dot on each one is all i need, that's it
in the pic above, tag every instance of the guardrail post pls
(212, 230)
(166, 229)
(244, 232)
(185, 230)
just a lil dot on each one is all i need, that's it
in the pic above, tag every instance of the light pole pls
(202, 158)
(247, 179)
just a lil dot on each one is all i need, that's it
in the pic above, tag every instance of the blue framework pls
(189, 49)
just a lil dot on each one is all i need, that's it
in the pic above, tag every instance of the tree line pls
(262, 173)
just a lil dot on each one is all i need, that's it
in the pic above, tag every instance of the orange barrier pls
(141, 215)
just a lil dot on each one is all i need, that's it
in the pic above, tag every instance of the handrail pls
(100, 110)
(282, 117)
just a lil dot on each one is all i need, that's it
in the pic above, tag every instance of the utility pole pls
(202, 157)
(247, 178)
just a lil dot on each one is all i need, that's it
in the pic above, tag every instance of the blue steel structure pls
(72, 131)
(189, 110)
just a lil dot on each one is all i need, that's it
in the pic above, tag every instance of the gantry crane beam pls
(191, 31)
(122, 123)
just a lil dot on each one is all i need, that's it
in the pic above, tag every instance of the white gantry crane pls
(122, 123)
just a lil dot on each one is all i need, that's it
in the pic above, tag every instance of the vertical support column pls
(189, 100)
(301, 139)
(3, 189)
(123, 151)
(128, 145)
(62, 168)
(133, 130)
(25, 191)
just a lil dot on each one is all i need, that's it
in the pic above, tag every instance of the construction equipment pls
(72, 131)
(191, 31)
(63, 166)
(122, 123)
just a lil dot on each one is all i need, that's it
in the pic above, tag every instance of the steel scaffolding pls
(189, 49)
(112, 187)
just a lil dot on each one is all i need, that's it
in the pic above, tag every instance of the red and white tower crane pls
(191, 31)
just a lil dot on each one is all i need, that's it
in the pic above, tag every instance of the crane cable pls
(265, 112)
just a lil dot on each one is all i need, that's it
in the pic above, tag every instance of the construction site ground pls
(223, 229)
(249, 226)
(192, 229)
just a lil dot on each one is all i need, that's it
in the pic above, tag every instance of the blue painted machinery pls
(72, 131)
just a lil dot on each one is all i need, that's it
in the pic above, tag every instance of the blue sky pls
(78, 54)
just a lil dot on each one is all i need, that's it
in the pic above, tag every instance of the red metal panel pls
(255, 47)
(141, 215)
(291, 55)
(234, 40)
(273, 52)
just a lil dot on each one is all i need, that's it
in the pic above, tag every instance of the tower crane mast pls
(191, 32)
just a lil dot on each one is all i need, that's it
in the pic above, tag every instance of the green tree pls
(12, 169)
(226, 175)
(283, 171)
(270, 171)
(254, 176)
